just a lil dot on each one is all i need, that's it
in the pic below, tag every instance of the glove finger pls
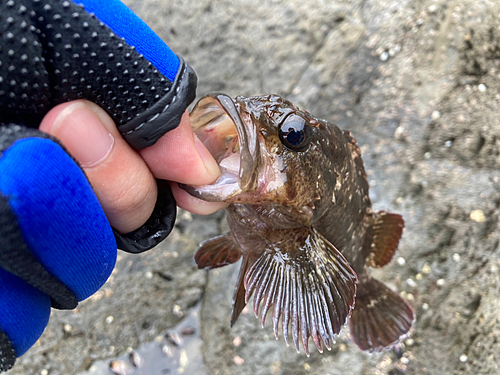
(60, 218)
(25, 312)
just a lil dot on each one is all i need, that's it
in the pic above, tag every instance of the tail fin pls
(314, 287)
(380, 316)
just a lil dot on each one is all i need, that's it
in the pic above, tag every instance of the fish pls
(301, 222)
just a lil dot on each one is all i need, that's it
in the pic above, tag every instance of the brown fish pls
(301, 218)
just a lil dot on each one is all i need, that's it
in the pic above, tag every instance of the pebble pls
(119, 367)
(477, 216)
(110, 319)
(425, 306)
(411, 283)
(67, 328)
(183, 359)
(435, 115)
(188, 331)
(401, 261)
(394, 50)
(237, 341)
(481, 88)
(148, 275)
(464, 358)
(174, 338)
(440, 282)
(167, 350)
(448, 143)
(399, 133)
(44, 372)
(456, 257)
(426, 269)
(177, 311)
(384, 56)
(433, 8)
(238, 361)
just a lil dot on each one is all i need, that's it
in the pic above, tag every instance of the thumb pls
(121, 180)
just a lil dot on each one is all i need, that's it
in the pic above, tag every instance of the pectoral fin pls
(383, 238)
(217, 252)
(314, 287)
(380, 317)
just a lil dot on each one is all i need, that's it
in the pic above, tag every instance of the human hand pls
(57, 244)
(124, 179)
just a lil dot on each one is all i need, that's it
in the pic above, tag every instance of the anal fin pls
(217, 252)
(380, 316)
(383, 238)
(239, 300)
(313, 287)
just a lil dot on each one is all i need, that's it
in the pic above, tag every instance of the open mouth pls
(232, 142)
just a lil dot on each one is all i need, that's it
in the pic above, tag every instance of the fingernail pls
(209, 161)
(83, 134)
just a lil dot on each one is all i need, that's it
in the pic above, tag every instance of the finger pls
(121, 180)
(187, 202)
(181, 157)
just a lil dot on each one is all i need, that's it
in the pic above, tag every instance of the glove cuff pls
(144, 130)
(156, 229)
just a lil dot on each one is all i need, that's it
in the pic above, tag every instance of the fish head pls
(269, 151)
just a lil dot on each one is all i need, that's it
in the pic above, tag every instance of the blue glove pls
(56, 245)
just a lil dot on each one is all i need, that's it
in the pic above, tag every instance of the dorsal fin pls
(314, 287)
(383, 238)
(380, 317)
(217, 252)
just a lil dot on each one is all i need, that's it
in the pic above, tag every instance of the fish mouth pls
(232, 141)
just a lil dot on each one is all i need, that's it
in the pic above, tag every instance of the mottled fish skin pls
(301, 219)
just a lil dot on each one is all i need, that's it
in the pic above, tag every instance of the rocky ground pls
(418, 84)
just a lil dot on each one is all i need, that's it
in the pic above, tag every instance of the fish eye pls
(295, 133)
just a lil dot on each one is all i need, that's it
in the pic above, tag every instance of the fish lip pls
(248, 142)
